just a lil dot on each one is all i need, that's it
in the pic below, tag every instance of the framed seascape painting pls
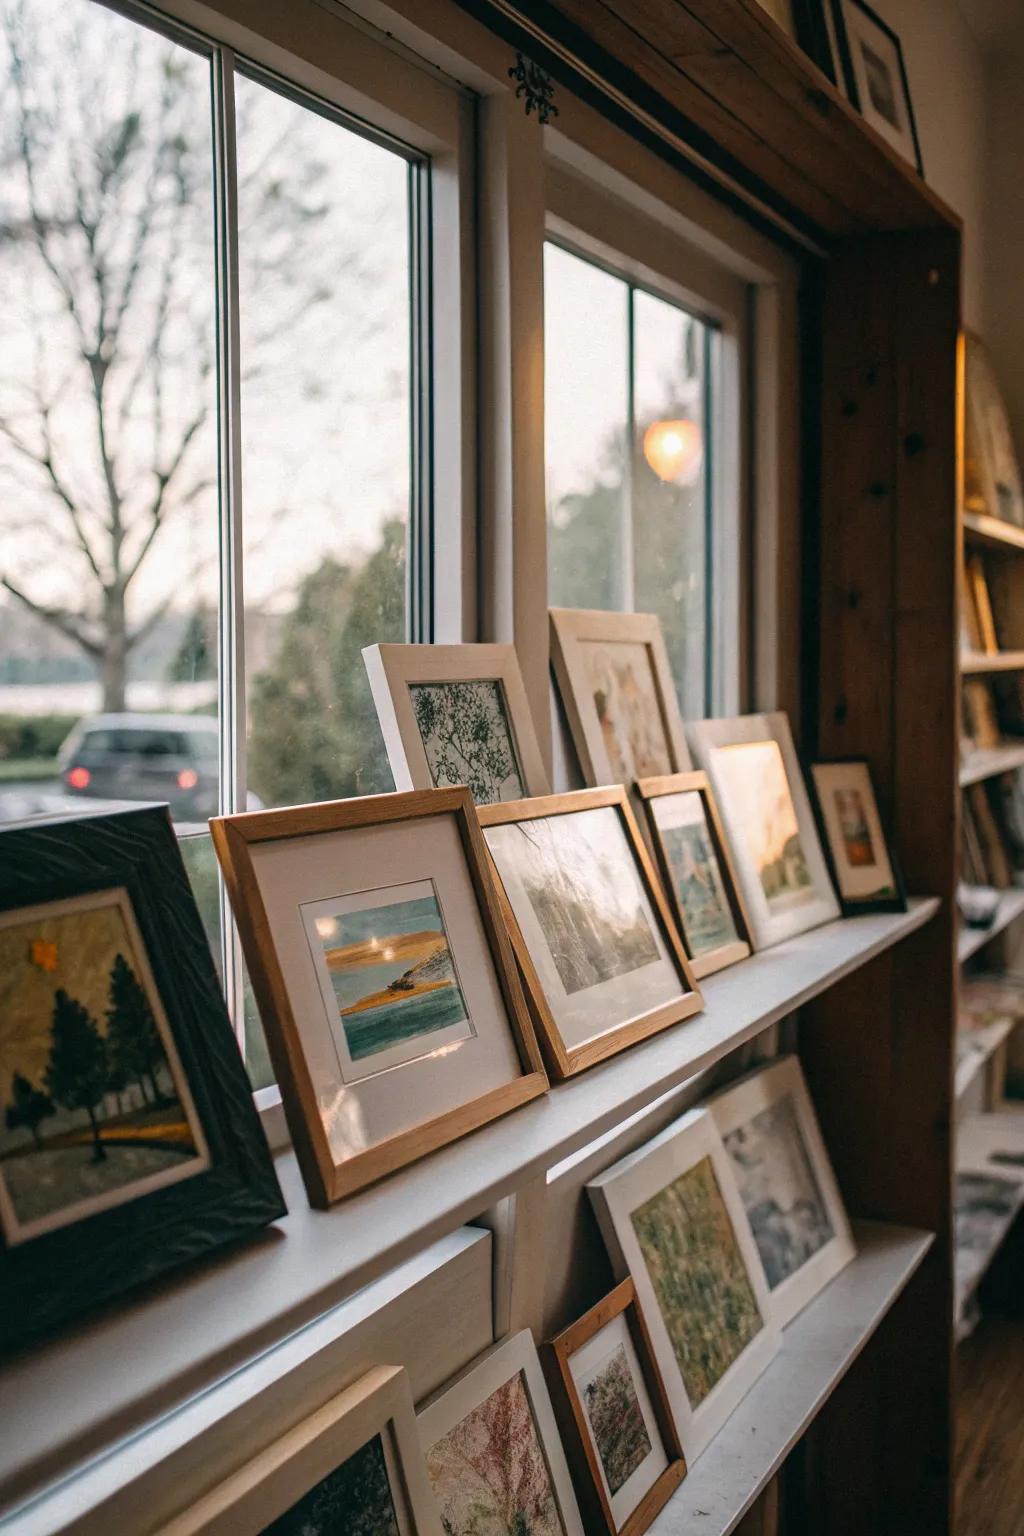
(128, 1137)
(865, 871)
(876, 76)
(494, 1459)
(353, 1468)
(616, 684)
(697, 869)
(456, 714)
(622, 1422)
(599, 952)
(378, 954)
(769, 824)
(672, 1220)
(770, 1131)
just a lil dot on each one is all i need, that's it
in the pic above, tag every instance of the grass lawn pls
(26, 770)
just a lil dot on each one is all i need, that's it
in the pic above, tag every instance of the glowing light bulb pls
(674, 450)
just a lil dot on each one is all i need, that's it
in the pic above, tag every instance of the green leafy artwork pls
(353, 1500)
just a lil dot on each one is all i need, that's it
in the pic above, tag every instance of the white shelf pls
(978, 1137)
(818, 1349)
(970, 940)
(213, 1317)
(982, 1044)
(988, 762)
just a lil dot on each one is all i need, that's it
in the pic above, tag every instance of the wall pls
(1004, 250)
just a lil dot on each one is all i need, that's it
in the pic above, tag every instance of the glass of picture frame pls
(394, 1014)
(866, 873)
(129, 1141)
(456, 714)
(599, 952)
(621, 1418)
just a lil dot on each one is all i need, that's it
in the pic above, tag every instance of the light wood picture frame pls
(691, 846)
(600, 975)
(618, 1405)
(673, 1221)
(769, 823)
(406, 878)
(864, 867)
(616, 683)
(373, 1419)
(770, 1131)
(502, 1395)
(456, 714)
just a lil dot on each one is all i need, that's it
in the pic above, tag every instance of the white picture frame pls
(774, 1101)
(443, 1413)
(762, 798)
(690, 1149)
(580, 639)
(400, 677)
(275, 1480)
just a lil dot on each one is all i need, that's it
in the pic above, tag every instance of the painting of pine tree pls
(92, 1112)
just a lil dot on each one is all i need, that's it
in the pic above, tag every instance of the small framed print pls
(769, 824)
(616, 683)
(456, 714)
(672, 1220)
(129, 1141)
(865, 870)
(621, 1416)
(770, 1131)
(876, 76)
(394, 1014)
(355, 1466)
(594, 938)
(697, 870)
(494, 1458)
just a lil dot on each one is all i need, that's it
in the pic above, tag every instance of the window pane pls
(586, 409)
(669, 486)
(108, 422)
(326, 410)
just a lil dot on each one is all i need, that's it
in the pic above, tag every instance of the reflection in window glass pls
(326, 394)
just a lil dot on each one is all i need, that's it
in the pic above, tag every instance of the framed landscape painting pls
(672, 1220)
(394, 1014)
(770, 1131)
(621, 1417)
(128, 1137)
(697, 869)
(599, 952)
(769, 824)
(353, 1468)
(494, 1459)
(865, 871)
(616, 684)
(456, 714)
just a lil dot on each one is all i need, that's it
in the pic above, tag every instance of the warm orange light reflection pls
(674, 450)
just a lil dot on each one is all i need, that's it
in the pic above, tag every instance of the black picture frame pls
(813, 36)
(895, 903)
(48, 1279)
(850, 76)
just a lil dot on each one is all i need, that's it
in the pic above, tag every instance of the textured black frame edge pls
(851, 78)
(895, 903)
(812, 35)
(49, 1279)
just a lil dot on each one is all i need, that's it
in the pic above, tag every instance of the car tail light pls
(79, 778)
(187, 778)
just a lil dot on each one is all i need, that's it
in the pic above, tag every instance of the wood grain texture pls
(989, 1445)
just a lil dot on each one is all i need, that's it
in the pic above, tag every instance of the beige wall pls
(1003, 274)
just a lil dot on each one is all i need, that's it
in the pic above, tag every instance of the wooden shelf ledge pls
(993, 533)
(989, 762)
(970, 940)
(977, 664)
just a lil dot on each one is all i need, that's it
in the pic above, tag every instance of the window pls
(627, 455)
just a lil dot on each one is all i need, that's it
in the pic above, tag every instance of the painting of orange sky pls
(759, 796)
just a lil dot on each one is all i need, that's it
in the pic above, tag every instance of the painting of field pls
(755, 787)
(391, 973)
(700, 1282)
(708, 922)
(616, 1419)
(93, 1112)
(354, 1500)
(628, 708)
(779, 1189)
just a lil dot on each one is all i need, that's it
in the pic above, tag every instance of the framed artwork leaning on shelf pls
(394, 1014)
(769, 824)
(129, 1141)
(865, 870)
(353, 1466)
(621, 1419)
(494, 1457)
(456, 714)
(992, 478)
(697, 869)
(876, 76)
(600, 956)
(789, 1192)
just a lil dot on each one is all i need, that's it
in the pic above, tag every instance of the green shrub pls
(35, 736)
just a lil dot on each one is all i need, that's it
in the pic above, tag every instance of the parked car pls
(145, 757)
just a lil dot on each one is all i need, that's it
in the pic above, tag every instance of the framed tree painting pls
(697, 869)
(755, 775)
(596, 943)
(493, 1455)
(129, 1141)
(876, 76)
(456, 714)
(770, 1131)
(621, 1419)
(616, 684)
(353, 1468)
(864, 867)
(672, 1220)
(378, 954)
